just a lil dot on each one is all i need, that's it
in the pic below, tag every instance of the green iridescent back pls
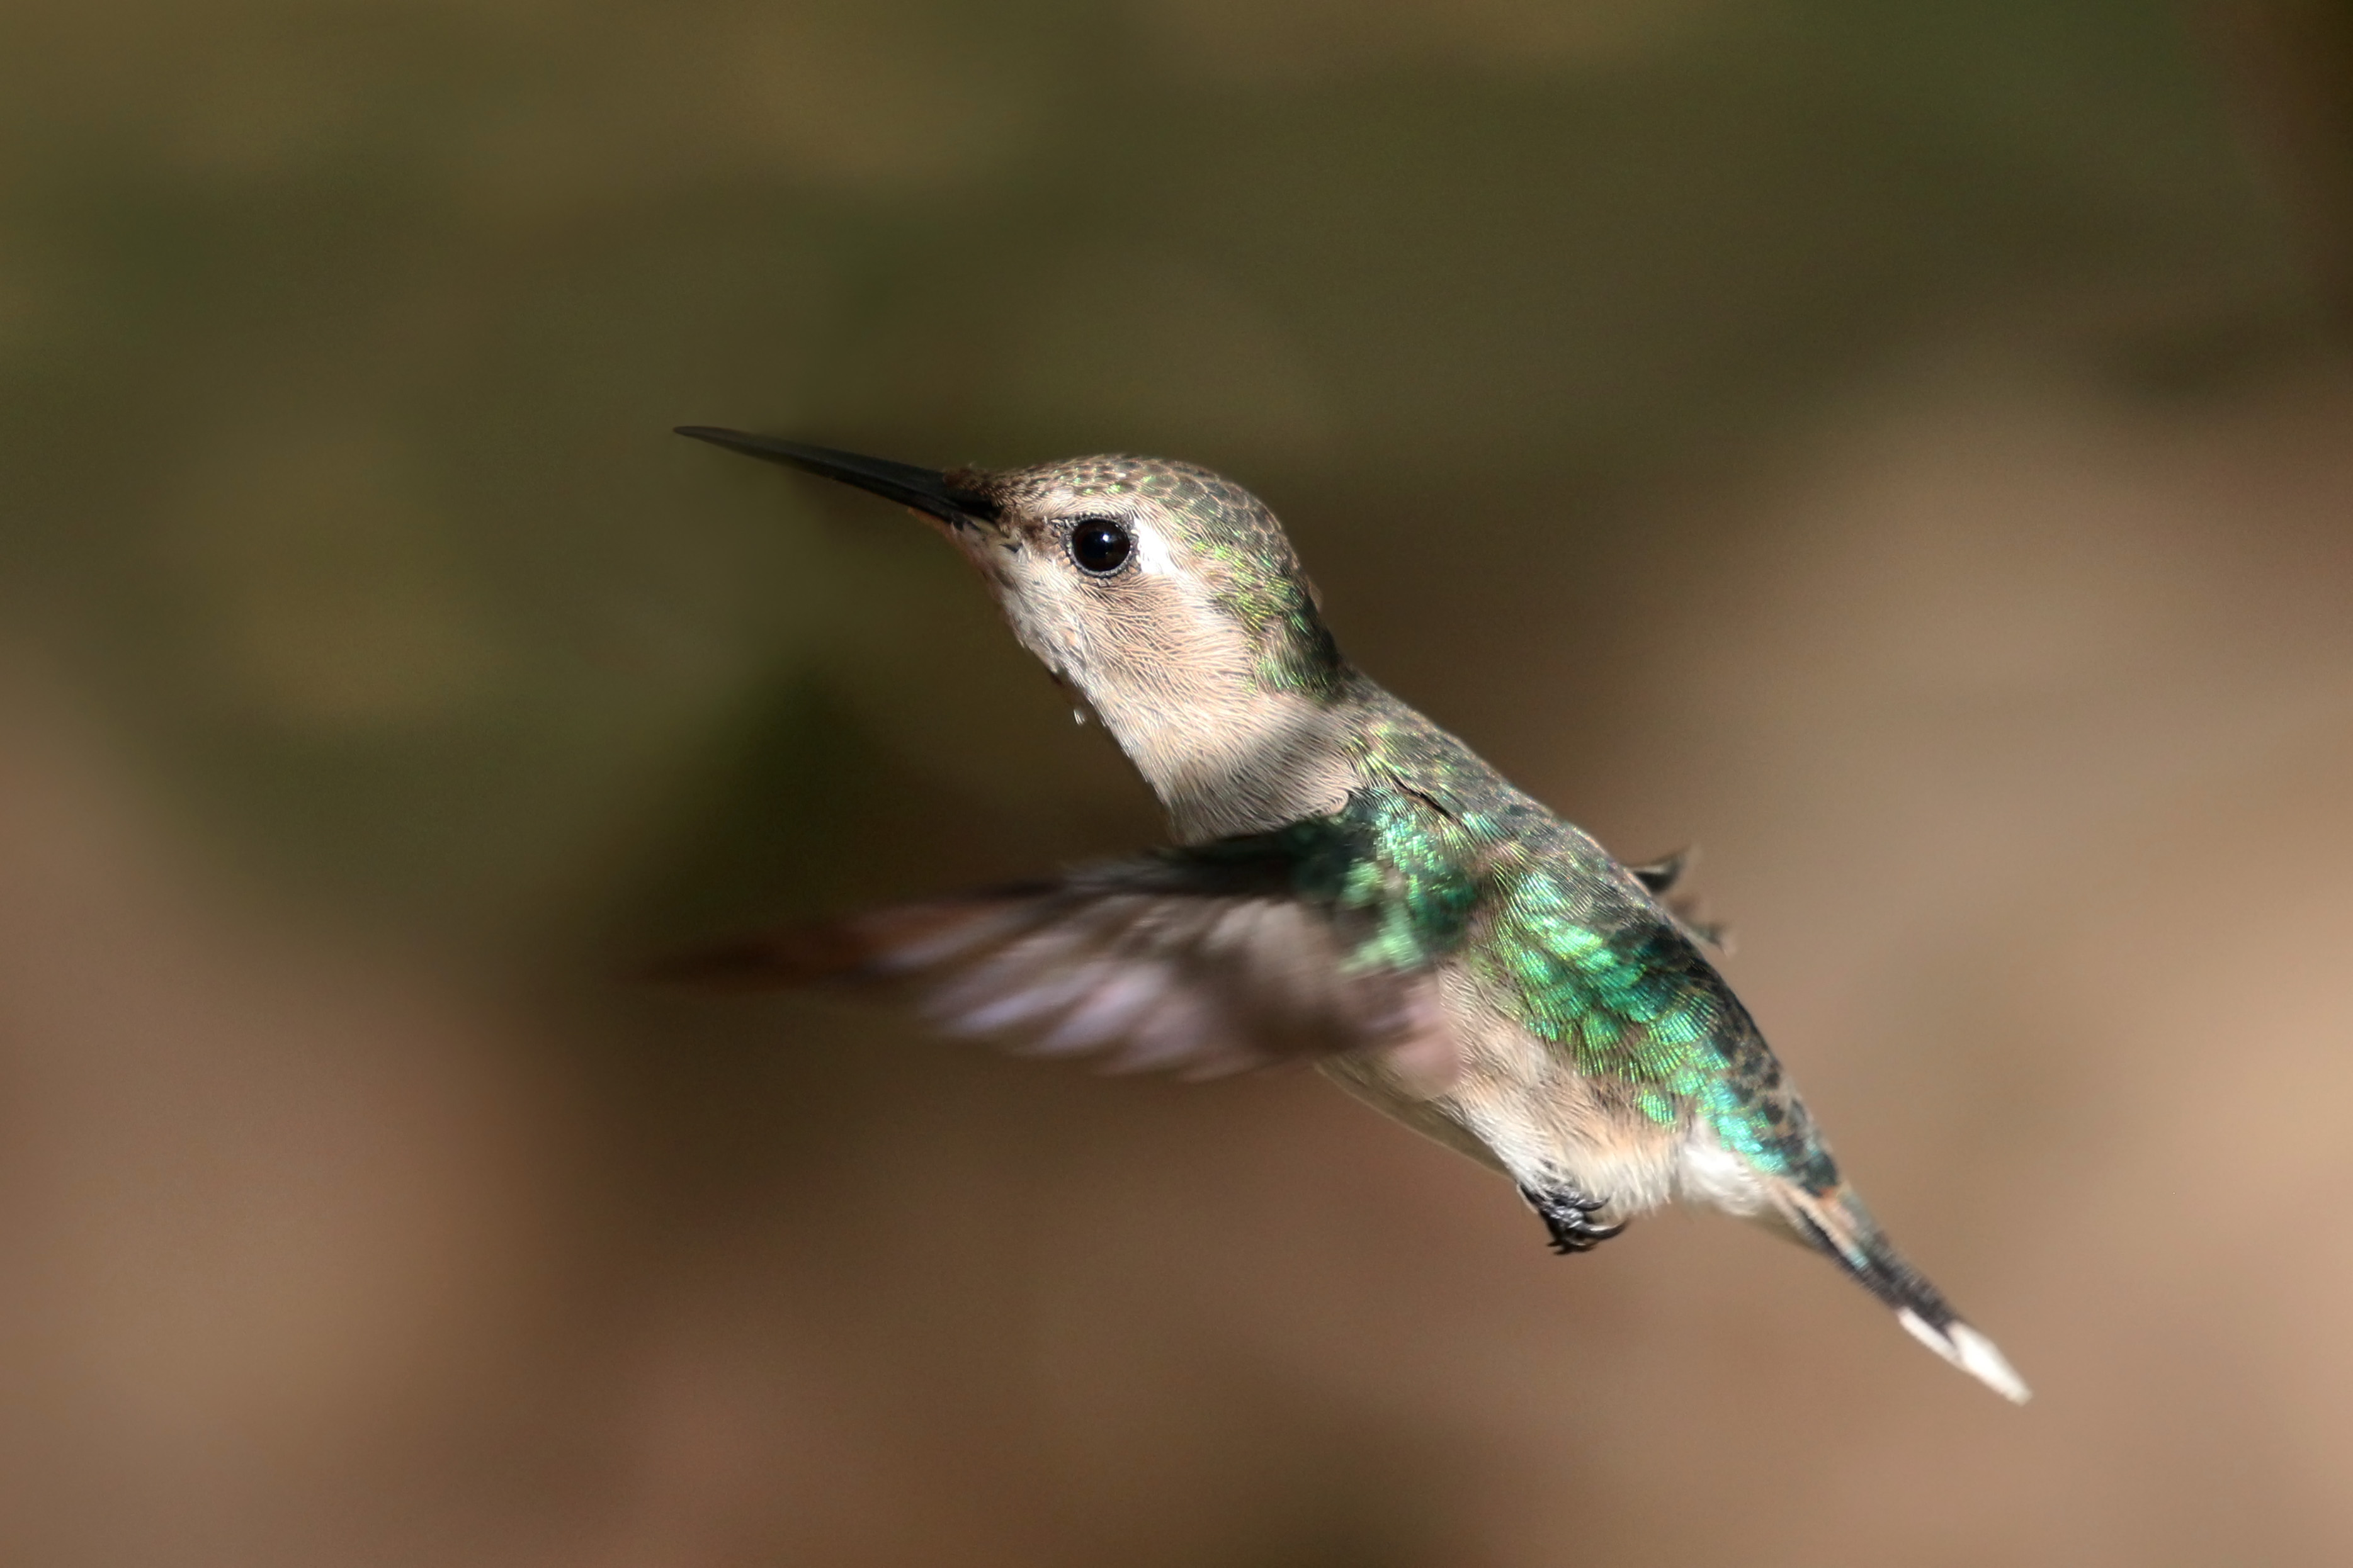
(1446, 859)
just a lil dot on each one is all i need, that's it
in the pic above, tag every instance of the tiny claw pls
(1568, 1243)
(1567, 1217)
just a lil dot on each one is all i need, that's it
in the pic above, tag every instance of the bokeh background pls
(1906, 448)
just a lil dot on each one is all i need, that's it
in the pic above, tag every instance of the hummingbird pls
(1350, 885)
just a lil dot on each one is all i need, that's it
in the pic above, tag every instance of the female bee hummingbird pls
(1351, 886)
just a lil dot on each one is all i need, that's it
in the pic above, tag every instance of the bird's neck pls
(1243, 759)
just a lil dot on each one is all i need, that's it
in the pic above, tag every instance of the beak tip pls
(926, 489)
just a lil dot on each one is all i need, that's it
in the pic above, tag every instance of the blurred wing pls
(1201, 963)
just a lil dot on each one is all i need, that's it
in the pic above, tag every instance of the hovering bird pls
(1350, 885)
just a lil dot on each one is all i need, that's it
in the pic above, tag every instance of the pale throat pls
(1230, 757)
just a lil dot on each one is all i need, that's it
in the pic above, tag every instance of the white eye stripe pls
(1151, 549)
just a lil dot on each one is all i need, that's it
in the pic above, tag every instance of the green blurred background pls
(1905, 447)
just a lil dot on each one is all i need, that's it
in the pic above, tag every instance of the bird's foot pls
(1568, 1214)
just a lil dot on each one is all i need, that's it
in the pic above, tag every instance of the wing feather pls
(1200, 962)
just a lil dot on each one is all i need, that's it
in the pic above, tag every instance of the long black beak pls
(924, 489)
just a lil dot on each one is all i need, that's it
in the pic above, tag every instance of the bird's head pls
(1165, 597)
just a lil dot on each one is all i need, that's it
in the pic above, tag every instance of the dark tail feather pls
(1843, 1230)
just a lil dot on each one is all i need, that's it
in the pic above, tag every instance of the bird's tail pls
(1837, 1225)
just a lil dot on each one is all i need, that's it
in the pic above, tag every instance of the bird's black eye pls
(1100, 546)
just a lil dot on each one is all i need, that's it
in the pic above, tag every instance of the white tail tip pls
(1971, 1352)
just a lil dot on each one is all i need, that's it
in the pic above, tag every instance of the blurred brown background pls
(1904, 447)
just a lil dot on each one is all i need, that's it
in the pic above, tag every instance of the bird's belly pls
(1519, 1107)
